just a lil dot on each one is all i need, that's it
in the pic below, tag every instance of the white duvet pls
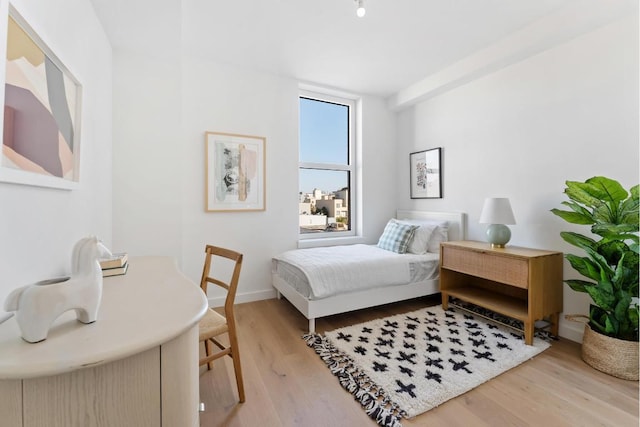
(338, 269)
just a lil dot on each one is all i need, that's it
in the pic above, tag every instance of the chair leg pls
(208, 350)
(235, 356)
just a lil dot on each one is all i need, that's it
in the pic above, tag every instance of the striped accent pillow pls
(396, 236)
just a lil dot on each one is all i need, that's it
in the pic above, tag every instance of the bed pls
(290, 275)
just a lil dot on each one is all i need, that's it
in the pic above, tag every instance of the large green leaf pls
(602, 297)
(633, 318)
(578, 240)
(577, 191)
(622, 306)
(597, 318)
(607, 189)
(579, 285)
(584, 266)
(573, 217)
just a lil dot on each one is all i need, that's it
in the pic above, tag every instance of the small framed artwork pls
(426, 174)
(235, 169)
(42, 104)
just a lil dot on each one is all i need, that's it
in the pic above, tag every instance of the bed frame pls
(312, 309)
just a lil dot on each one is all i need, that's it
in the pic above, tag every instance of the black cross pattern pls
(384, 343)
(432, 348)
(454, 331)
(380, 367)
(477, 343)
(346, 337)
(503, 346)
(471, 325)
(409, 335)
(390, 332)
(412, 326)
(434, 362)
(460, 365)
(486, 355)
(404, 357)
(430, 337)
(432, 329)
(360, 350)
(363, 339)
(408, 345)
(391, 324)
(404, 370)
(366, 330)
(433, 376)
(455, 341)
(413, 319)
(406, 388)
(384, 354)
(449, 315)
(451, 323)
(457, 352)
(499, 335)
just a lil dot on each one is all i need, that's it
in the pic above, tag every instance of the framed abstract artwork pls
(42, 105)
(235, 172)
(426, 174)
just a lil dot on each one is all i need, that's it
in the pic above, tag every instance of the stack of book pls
(115, 265)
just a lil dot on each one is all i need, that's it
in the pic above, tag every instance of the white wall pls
(38, 226)
(163, 107)
(567, 113)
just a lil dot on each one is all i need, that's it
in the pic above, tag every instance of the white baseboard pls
(245, 297)
(571, 330)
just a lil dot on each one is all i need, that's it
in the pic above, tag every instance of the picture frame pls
(426, 174)
(40, 89)
(235, 172)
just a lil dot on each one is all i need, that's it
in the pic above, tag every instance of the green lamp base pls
(498, 235)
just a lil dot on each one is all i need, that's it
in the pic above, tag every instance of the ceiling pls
(396, 44)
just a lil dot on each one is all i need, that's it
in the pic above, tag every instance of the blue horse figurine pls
(39, 304)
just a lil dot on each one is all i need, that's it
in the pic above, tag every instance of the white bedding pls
(333, 270)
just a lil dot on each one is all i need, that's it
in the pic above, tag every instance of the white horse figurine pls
(39, 304)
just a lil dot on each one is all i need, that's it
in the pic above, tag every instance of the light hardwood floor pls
(288, 385)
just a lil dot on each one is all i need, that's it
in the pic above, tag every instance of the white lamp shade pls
(497, 210)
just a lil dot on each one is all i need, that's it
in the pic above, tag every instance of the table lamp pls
(497, 212)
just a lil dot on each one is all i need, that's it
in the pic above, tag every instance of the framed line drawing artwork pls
(42, 105)
(426, 174)
(235, 172)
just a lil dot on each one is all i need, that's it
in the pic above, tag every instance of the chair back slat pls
(207, 274)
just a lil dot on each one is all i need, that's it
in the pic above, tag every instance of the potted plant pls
(610, 342)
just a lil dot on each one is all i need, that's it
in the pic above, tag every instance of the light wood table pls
(521, 283)
(137, 365)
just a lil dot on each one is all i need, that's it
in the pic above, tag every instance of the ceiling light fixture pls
(360, 11)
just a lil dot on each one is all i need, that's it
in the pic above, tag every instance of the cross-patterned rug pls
(404, 365)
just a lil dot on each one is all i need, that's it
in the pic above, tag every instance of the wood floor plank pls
(287, 384)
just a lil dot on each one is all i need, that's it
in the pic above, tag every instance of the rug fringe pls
(373, 399)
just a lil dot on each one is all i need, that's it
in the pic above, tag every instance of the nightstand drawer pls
(503, 269)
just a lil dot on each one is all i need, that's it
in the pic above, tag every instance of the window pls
(326, 165)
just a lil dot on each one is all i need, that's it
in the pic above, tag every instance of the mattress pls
(420, 268)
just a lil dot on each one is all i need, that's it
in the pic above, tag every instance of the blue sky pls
(323, 139)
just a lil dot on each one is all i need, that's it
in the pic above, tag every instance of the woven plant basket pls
(612, 356)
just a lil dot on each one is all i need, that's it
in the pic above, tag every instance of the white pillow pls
(439, 233)
(420, 242)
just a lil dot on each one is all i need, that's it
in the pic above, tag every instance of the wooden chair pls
(213, 324)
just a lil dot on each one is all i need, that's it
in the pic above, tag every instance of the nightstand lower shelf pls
(502, 304)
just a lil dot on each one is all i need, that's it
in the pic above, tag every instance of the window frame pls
(350, 167)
